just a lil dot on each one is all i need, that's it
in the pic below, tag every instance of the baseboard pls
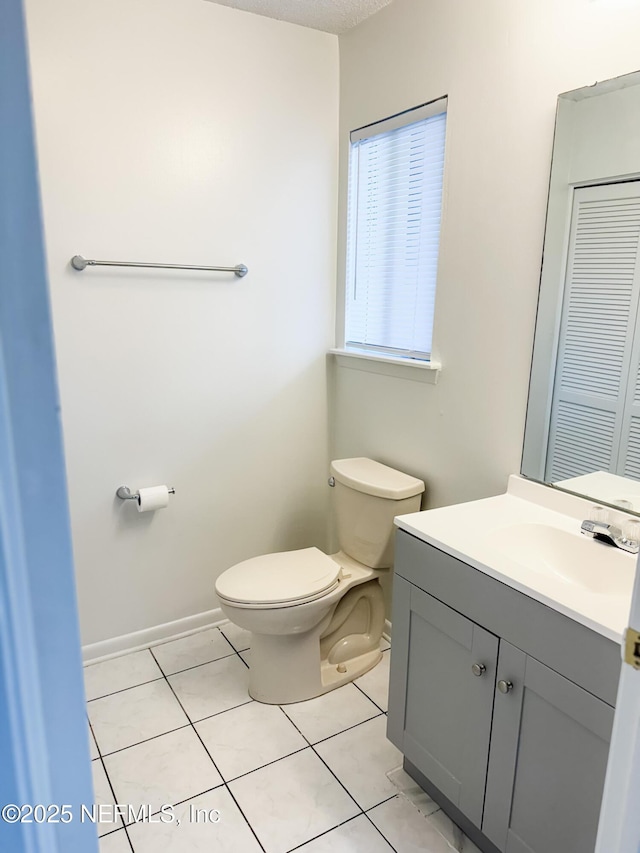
(105, 649)
(116, 646)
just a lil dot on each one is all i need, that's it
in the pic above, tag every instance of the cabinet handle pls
(478, 669)
(505, 686)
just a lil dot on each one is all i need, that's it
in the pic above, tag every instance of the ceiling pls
(331, 16)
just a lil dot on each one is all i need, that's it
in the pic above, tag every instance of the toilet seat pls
(279, 580)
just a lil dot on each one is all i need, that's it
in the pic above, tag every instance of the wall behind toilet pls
(503, 64)
(181, 131)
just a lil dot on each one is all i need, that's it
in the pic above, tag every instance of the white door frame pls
(619, 828)
(43, 725)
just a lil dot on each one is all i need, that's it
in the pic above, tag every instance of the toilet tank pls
(366, 498)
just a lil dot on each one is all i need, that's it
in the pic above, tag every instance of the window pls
(395, 200)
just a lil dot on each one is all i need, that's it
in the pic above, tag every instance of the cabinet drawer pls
(576, 652)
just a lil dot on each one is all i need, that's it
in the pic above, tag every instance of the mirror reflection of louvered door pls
(595, 415)
(629, 455)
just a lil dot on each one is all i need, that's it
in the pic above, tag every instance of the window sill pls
(404, 368)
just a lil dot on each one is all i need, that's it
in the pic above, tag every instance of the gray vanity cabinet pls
(502, 707)
(447, 717)
(549, 748)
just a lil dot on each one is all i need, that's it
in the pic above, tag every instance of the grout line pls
(129, 839)
(268, 764)
(169, 731)
(237, 651)
(221, 629)
(196, 665)
(232, 654)
(342, 731)
(212, 761)
(366, 814)
(144, 740)
(233, 651)
(164, 674)
(124, 689)
(168, 642)
(369, 698)
(323, 761)
(382, 802)
(326, 832)
(239, 807)
(95, 742)
(217, 713)
(362, 811)
(115, 800)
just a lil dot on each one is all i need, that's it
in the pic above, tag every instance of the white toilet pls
(317, 620)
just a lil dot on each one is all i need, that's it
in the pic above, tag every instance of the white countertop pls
(501, 537)
(603, 486)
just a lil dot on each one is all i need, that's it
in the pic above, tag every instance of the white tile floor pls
(175, 725)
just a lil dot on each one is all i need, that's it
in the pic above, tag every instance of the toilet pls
(316, 619)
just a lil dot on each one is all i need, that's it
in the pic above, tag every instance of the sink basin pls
(529, 538)
(568, 558)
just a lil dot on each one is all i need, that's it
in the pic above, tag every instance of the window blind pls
(395, 201)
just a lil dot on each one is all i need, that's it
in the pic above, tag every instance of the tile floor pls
(175, 725)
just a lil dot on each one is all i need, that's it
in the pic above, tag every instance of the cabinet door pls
(549, 748)
(439, 711)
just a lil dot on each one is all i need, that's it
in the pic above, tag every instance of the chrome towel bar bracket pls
(79, 263)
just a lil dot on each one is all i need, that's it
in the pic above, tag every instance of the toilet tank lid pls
(374, 478)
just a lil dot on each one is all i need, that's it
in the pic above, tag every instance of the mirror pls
(583, 417)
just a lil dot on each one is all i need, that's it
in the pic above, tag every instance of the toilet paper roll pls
(155, 497)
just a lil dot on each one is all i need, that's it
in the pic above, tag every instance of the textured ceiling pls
(331, 16)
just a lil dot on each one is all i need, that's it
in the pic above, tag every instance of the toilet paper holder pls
(125, 493)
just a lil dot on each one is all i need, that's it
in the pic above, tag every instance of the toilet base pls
(354, 668)
(282, 689)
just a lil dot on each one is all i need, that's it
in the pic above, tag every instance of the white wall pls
(186, 132)
(502, 64)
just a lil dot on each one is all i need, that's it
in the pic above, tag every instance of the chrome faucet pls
(611, 534)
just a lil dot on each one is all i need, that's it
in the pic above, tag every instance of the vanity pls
(507, 624)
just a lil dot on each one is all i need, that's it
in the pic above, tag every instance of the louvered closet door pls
(629, 456)
(596, 350)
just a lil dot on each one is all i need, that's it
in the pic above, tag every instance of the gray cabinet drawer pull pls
(478, 669)
(505, 686)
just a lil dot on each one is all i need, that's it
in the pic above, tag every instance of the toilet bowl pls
(316, 619)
